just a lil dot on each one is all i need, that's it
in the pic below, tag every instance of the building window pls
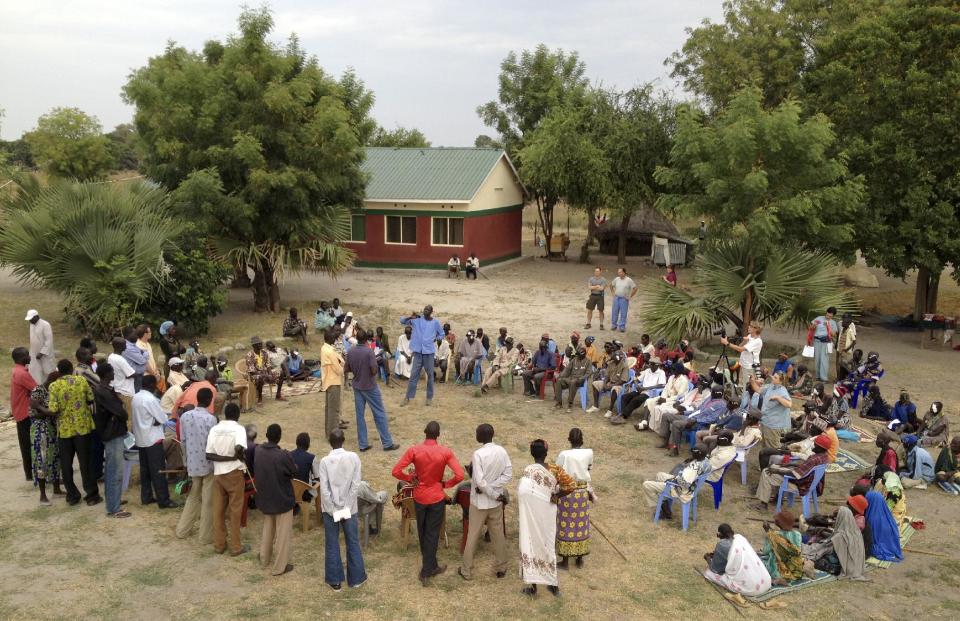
(447, 231)
(401, 230)
(358, 228)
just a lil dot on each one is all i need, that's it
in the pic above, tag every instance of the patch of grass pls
(949, 573)
(153, 575)
(256, 610)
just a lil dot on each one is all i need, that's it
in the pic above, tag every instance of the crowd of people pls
(183, 414)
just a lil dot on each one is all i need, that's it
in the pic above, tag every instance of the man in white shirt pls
(491, 471)
(148, 422)
(123, 373)
(338, 476)
(195, 426)
(623, 289)
(42, 362)
(226, 445)
(749, 350)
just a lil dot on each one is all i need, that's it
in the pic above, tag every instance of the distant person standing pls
(425, 333)
(821, 334)
(597, 285)
(21, 385)
(846, 343)
(339, 480)
(671, 276)
(274, 474)
(362, 362)
(623, 289)
(702, 232)
(41, 347)
(331, 380)
(490, 474)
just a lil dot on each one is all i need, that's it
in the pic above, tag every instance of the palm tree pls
(787, 287)
(99, 245)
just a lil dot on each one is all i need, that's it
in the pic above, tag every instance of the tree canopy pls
(69, 143)
(399, 137)
(261, 145)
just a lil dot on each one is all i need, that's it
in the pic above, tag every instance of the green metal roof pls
(429, 174)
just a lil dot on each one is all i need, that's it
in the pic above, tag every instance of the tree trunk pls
(933, 292)
(921, 293)
(591, 231)
(747, 303)
(274, 293)
(261, 291)
(241, 280)
(545, 208)
(622, 240)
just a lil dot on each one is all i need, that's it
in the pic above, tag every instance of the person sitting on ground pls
(857, 503)
(473, 266)
(296, 368)
(735, 566)
(575, 374)
(887, 483)
(294, 327)
(887, 455)
(453, 266)
(503, 364)
(349, 328)
(947, 472)
(904, 413)
(782, 551)
(785, 365)
(884, 529)
(616, 376)
(404, 365)
(336, 309)
(874, 407)
(682, 486)
(469, 354)
(323, 320)
(802, 383)
(920, 470)
(541, 362)
(934, 429)
(652, 378)
(801, 475)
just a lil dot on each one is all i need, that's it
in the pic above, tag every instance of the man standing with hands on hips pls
(623, 289)
(426, 332)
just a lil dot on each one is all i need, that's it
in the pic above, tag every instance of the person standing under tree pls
(821, 334)
(597, 284)
(749, 348)
(339, 476)
(623, 289)
(430, 460)
(41, 347)
(426, 331)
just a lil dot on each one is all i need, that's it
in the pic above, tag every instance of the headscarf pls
(848, 544)
(886, 535)
(165, 327)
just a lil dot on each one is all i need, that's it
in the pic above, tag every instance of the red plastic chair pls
(249, 491)
(550, 375)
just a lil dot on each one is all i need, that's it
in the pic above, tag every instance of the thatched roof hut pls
(643, 226)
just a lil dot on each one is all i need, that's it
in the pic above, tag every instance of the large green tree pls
(124, 147)
(531, 85)
(262, 147)
(399, 137)
(765, 176)
(69, 143)
(890, 84)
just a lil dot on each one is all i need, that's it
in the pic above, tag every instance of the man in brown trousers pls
(491, 472)
(274, 474)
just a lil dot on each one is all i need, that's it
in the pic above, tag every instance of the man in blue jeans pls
(423, 342)
(110, 418)
(339, 478)
(362, 362)
(623, 288)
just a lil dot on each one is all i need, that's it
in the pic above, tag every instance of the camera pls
(758, 371)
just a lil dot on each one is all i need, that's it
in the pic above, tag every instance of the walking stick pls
(482, 274)
(718, 590)
(597, 528)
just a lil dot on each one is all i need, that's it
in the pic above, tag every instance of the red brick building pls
(424, 205)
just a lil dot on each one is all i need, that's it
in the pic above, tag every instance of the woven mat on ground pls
(906, 533)
(822, 577)
(307, 387)
(847, 462)
(867, 434)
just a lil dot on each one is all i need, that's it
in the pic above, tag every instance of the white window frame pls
(401, 242)
(448, 218)
(350, 240)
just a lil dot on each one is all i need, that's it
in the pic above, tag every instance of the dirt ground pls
(73, 562)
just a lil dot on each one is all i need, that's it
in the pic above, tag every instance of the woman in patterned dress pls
(573, 510)
(44, 441)
(541, 486)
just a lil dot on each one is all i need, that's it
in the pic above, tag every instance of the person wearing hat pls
(623, 289)
(651, 378)
(920, 470)
(595, 354)
(578, 370)
(782, 551)
(934, 429)
(802, 474)
(682, 486)
(503, 364)
(258, 368)
(42, 363)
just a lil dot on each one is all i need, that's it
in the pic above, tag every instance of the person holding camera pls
(749, 349)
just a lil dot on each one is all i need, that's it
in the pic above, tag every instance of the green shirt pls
(71, 398)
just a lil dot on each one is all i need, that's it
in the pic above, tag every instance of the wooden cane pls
(597, 528)
(926, 552)
(719, 590)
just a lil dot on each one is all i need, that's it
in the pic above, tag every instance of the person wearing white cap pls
(42, 363)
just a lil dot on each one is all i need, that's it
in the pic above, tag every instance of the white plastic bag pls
(807, 351)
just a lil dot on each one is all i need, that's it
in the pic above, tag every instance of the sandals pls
(119, 514)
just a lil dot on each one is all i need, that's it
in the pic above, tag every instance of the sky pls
(430, 63)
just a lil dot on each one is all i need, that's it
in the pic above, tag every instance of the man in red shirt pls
(430, 461)
(21, 383)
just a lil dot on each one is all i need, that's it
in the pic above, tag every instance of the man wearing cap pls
(623, 289)
(541, 362)
(469, 354)
(617, 375)
(503, 364)
(595, 354)
(258, 367)
(802, 474)
(425, 331)
(579, 369)
(42, 363)
(175, 381)
(650, 379)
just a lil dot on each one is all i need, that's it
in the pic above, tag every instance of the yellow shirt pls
(596, 356)
(331, 367)
(834, 444)
(151, 367)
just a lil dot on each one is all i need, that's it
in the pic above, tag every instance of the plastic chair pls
(665, 496)
(718, 486)
(408, 519)
(817, 474)
(549, 376)
(477, 373)
(862, 387)
(741, 457)
(249, 491)
(130, 457)
(365, 512)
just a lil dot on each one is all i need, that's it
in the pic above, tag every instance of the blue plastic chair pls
(718, 486)
(686, 506)
(477, 373)
(817, 474)
(862, 387)
(741, 457)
